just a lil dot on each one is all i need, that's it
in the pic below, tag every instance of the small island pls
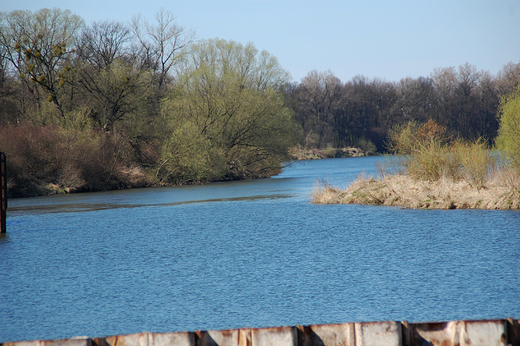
(431, 170)
(403, 191)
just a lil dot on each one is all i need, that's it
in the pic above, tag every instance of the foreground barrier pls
(3, 192)
(455, 333)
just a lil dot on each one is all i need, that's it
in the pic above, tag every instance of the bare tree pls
(103, 42)
(163, 44)
(114, 84)
(319, 95)
(508, 78)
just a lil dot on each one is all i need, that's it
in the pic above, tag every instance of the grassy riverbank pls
(433, 171)
(502, 192)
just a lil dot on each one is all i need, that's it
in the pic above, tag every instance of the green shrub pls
(425, 152)
(473, 160)
(367, 146)
(508, 140)
(330, 152)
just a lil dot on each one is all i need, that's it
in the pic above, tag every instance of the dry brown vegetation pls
(502, 192)
(48, 160)
(431, 171)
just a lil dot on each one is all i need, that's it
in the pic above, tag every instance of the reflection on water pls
(248, 254)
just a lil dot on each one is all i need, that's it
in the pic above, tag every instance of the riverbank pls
(502, 191)
(299, 153)
(122, 178)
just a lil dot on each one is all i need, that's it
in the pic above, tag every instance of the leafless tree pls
(103, 42)
(163, 44)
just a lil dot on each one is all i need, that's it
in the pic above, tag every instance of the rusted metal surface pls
(327, 334)
(23, 343)
(140, 339)
(281, 336)
(378, 333)
(455, 333)
(234, 337)
(3, 192)
(181, 339)
(78, 341)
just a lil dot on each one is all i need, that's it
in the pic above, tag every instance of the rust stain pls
(226, 333)
(431, 333)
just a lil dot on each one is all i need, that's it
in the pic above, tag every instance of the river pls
(248, 254)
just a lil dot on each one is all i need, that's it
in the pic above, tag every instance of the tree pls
(508, 139)
(9, 89)
(227, 119)
(102, 43)
(508, 78)
(109, 75)
(319, 96)
(415, 100)
(163, 45)
(37, 45)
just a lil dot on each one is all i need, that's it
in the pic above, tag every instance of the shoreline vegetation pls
(113, 105)
(128, 177)
(432, 171)
(299, 153)
(402, 190)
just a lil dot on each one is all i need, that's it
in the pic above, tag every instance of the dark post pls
(3, 192)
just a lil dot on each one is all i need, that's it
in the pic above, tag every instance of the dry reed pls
(402, 190)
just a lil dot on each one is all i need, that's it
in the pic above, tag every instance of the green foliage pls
(508, 140)
(426, 153)
(114, 91)
(366, 145)
(474, 161)
(226, 119)
(423, 149)
(188, 156)
(36, 45)
(330, 152)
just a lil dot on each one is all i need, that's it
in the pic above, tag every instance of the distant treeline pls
(115, 105)
(360, 112)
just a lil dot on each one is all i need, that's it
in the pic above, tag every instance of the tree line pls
(360, 112)
(114, 105)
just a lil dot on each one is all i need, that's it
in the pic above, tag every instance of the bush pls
(508, 140)
(49, 159)
(330, 152)
(473, 161)
(425, 152)
(367, 146)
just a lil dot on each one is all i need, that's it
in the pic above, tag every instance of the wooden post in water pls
(3, 192)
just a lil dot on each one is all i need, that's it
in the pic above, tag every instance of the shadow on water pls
(81, 207)
(4, 238)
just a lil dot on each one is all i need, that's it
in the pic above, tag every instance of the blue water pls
(248, 254)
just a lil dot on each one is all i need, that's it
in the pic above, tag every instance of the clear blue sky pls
(375, 38)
